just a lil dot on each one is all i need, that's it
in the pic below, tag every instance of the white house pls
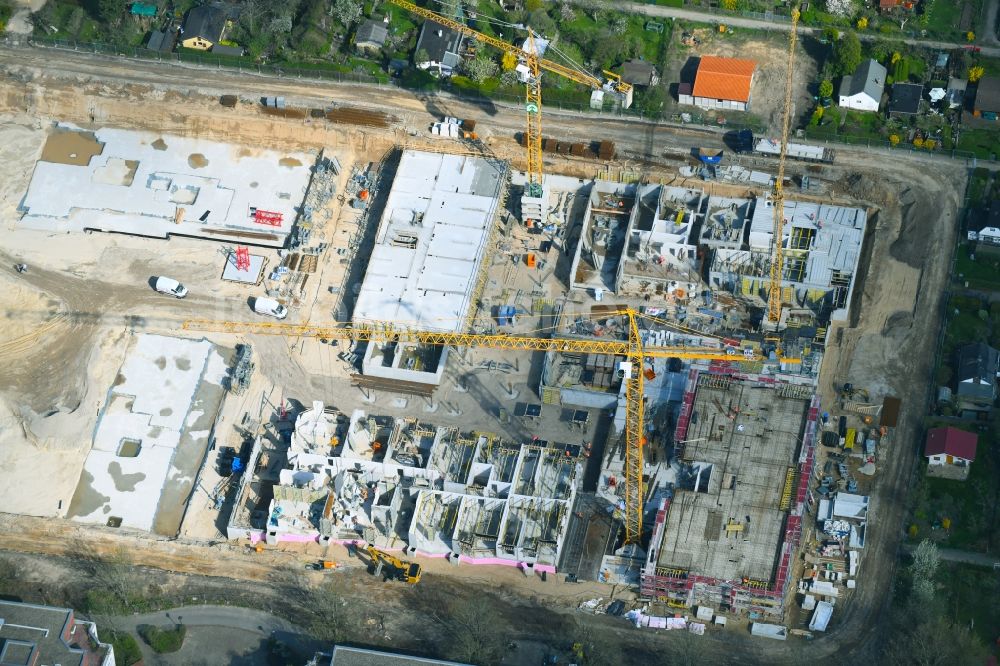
(950, 446)
(863, 89)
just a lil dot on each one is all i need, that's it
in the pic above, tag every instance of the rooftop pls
(952, 442)
(31, 634)
(868, 78)
(206, 21)
(154, 425)
(988, 94)
(724, 78)
(905, 98)
(441, 44)
(431, 241)
(157, 185)
(352, 656)
(726, 519)
(371, 32)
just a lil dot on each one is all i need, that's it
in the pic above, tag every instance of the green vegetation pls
(969, 595)
(970, 505)
(846, 54)
(984, 143)
(127, 650)
(983, 272)
(921, 630)
(163, 641)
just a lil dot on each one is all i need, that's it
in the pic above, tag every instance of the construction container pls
(531, 260)
(849, 440)
(327, 564)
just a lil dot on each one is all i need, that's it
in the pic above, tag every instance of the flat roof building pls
(154, 185)
(431, 242)
(31, 635)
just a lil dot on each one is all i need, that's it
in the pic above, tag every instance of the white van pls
(270, 307)
(166, 285)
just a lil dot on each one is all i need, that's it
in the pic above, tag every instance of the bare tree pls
(476, 630)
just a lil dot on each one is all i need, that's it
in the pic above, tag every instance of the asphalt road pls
(782, 26)
(637, 139)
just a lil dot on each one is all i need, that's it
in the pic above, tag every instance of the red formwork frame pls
(268, 217)
(242, 258)
(653, 585)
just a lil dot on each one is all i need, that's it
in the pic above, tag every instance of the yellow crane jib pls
(632, 349)
(533, 89)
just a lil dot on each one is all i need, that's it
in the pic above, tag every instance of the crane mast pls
(778, 194)
(533, 89)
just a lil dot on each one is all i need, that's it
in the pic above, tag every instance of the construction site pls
(583, 374)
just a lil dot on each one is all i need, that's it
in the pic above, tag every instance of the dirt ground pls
(81, 296)
(770, 52)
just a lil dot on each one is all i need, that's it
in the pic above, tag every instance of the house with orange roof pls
(720, 83)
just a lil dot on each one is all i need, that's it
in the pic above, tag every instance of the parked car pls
(270, 307)
(166, 285)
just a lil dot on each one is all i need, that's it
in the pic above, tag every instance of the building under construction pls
(403, 484)
(427, 269)
(823, 244)
(727, 536)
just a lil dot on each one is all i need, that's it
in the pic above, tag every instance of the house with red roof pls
(720, 83)
(950, 449)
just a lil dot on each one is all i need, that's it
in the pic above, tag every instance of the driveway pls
(218, 635)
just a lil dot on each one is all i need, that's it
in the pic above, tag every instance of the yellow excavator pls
(391, 567)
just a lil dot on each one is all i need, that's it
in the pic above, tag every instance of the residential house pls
(905, 99)
(987, 231)
(33, 635)
(162, 41)
(640, 73)
(987, 102)
(720, 83)
(371, 36)
(862, 90)
(950, 448)
(438, 49)
(204, 27)
(976, 376)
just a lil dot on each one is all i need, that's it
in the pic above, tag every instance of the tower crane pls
(533, 91)
(632, 349)
(778, 194)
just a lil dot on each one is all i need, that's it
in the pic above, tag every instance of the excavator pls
(391, 567)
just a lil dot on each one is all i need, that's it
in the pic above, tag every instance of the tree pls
(476, 630)
(862, 23)
(649, 102)
(481, 67)
(620, 25)
(508, 61)
(110, 11)
(421, 56)
(847, 54)
(840, 7)
(817, 115)
(975, 73)
(895, 57)
(346, 12)
(826, 88)
(970, 36)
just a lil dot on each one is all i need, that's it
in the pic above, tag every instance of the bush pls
(127, 650)
(163, 641)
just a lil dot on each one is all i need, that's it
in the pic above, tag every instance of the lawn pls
(981, 273)
(970, 593)
(978, 184)
(984, 143)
